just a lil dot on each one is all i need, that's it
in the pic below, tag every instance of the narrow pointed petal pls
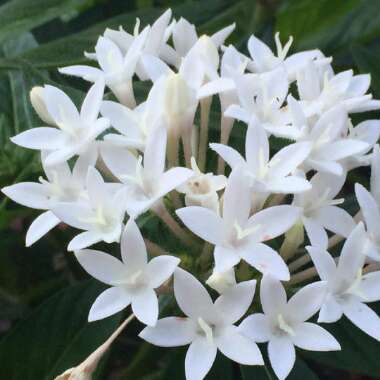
(91, 104)
(88, 73)
(173, 178)
(102, 266)
(133, 250)
(323, 262)
(288, 185)
(29, 194)
(235, 301)
(145, 306)
(331, 311)
(282, 356)
(160, 269)
(310, 336)
(41, 226)
(84, 240)
(42, 138)
(272, 296)
(256, 146)
(225, 258)
(370, 287)
(155, 153)
(203, 222)
(230, 155)
(170, 332)
(256, 327)
(316, 233)
(110, 302)
(238, 347)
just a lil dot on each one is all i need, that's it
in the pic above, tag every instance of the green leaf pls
(329, 24)
(69, 50)
(19, 16)
(360, 353)
(56, 336)
(300, 371)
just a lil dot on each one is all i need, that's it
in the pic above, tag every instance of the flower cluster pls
(154, 156)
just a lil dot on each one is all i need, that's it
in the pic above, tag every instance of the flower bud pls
(39, 105)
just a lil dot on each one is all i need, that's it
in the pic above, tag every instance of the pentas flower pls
(264, 60)
(283, 324)
(72, 132)
(101, 215)
(320, 211)
(146, 180)
(208, 326)
(238, 236)
(202, 188)
(268, 175)
(322, 90)
(348, 289)
(116, 70)
(61, 184)
(133, 280)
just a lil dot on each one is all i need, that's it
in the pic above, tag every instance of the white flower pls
(207, 327)
(375, 173)
(116, 70)
(237, 236)
(61, 185)
(322, 90)
(268, 175)
(73, 133)
(101, 215)
(264, 60)
(319, 211)
(147, 182)
(348, 289)
(284, 324)
(132, 280)
(201, 189)
(371, 215)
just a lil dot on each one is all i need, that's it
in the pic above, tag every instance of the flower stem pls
(203, 137)
(300, 262)
(153, 248)
(302, 276)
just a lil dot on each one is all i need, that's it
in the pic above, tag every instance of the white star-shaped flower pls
(101, 215)
(61, 185)
(132, 280)
(237, 235)
(71, 132)
(348, 290)
(207, 327)
(283, 324)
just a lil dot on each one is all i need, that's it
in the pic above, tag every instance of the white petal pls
(191, 296)
(82, 164)
(375, 173)
(110, 302)
(230, 155)
(370, 287)
(282, 356)
(84, 240)
(238, 347)
(102, 266)
(184, 36)
(96, 188)
(203, 222)
(155, 67)
(173, 178)
(170, 332)
(108, 55)
(88, 73)
(221, 35)
(155, 153)
(237, 192)
(91, 104)
(160, 268)
(256, 327)
(306, 302)
(235, 301)
(145, 306)
(260, 53)
(288, 159)
(74, 214)
(352, 255)
(288, 185)
(29, 194)
(216, 86)
(363, 317)
(310, 336)
(331, 311)
(199, 359)
(41, 226)
(369, 208)
(326, 166)
(256, 146)
(272, 296)
(42, 138)
(316, 233)
(225, 258)
(341, 149)
(273, 221)
(133, 250)
(59, 156)
(266, 260)
(335, 219)
(323, 262)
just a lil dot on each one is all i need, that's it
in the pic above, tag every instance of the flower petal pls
(41, 138)
(315, 232)
(331, 310)
(199, 359)
(133, 250)
(91, 104)
(41, 226)
(310, 336)
(323, 262)
(225, 258)
(282, 356)
(145, 306)
(230, 155)
(238, 347)
(84, 240)
(160, 269)
(256, 327)
(170, 332)
(370, 287)
(29, 194)
(272, 296)
(110, 302)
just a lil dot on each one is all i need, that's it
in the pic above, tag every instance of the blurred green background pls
(44, 296)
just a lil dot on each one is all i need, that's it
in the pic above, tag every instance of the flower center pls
(283, 326)
(205, 329)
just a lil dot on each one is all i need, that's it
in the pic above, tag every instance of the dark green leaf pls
(56, 336)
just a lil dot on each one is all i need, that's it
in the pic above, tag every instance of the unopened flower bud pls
(39, 105)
